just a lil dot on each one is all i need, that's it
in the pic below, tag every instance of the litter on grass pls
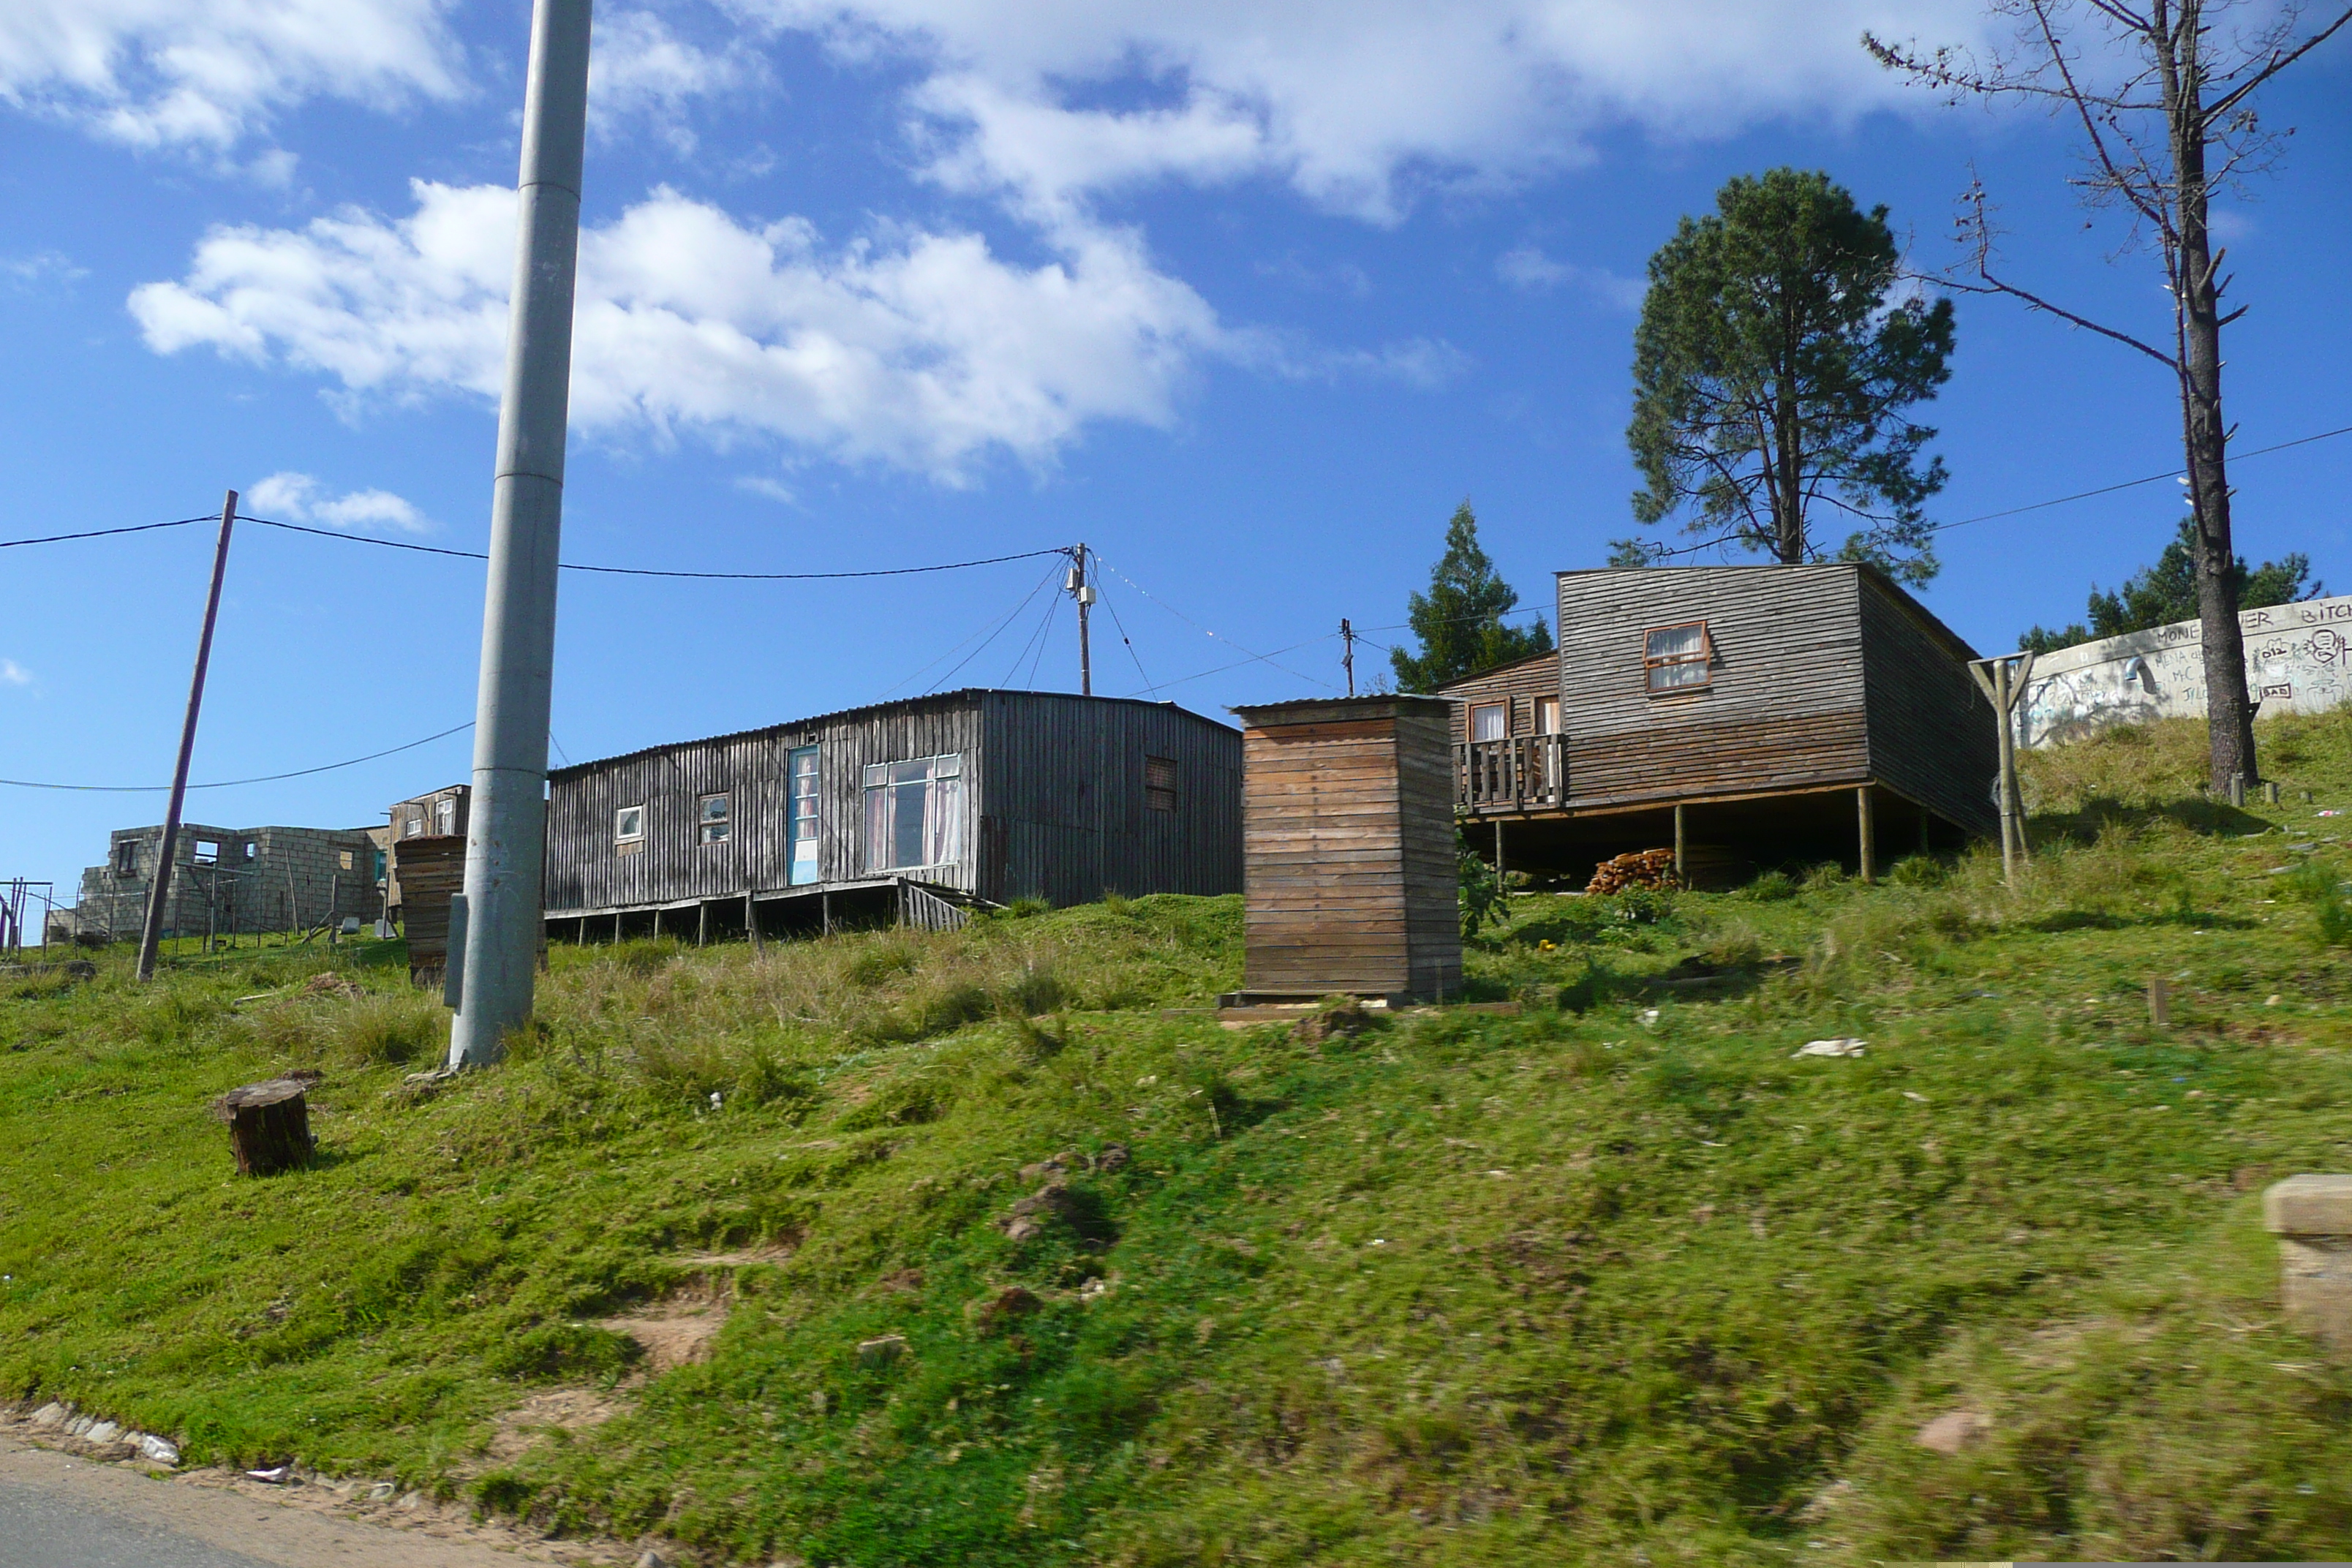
(1839, 1048)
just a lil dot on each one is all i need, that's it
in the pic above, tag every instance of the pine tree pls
(1777, 353)
(1460, 620)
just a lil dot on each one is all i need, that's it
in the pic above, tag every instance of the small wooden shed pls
(1349, 869)
(431, 870)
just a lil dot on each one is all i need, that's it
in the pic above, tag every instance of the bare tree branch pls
(2279, 61)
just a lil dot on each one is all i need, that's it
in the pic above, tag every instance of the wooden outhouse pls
(1349, 865)
(906, 811)
(1749, 716)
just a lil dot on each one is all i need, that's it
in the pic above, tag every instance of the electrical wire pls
(102, 532)
(652, 572)
(1254, 658)
(1261, 658)
(2055, 500)
(1137, 657)
(993, 635)
(232, 783)
(1044, 641)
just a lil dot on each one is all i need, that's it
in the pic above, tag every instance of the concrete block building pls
(231, 881)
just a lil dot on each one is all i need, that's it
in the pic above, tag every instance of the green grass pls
(1582, 1285)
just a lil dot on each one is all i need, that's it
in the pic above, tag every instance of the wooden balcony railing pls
(1525, 772)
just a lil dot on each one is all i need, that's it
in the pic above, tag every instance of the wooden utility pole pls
(1084, 593)
(2002, 681)
(1866, 832)
(1348, 655)
(159, 890)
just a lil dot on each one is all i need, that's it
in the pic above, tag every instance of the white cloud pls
(1526, 267)
(1357, 103)
(639, 69)
(209, 73)
(299, 498)
(923, 351)
(14, 674)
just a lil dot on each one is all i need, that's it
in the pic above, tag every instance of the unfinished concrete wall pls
(231, 881)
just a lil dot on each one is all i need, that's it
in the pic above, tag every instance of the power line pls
(653, 571)
(1254, 658)
(1261, 658)
(2055, 500)
(232, 783)
(991, 636)
(1123, 637)
(104, 532)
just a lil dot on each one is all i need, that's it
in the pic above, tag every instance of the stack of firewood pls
(1643, 868)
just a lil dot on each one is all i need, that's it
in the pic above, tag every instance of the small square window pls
(1677, 658)
(1160, 782)
(629, 824)
(1547, 715)
(412, 823)
(445, 816)
(206, 853)
(716, 820)
(343, 859)
(252, 851)
(1488, 721)
(126, 857)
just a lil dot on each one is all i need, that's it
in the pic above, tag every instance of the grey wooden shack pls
(911, 811)
(1746, 715)
(1352, 876)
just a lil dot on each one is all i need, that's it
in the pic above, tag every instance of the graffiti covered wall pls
(2298, 660)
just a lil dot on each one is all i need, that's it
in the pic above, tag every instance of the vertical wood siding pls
(1052, 803)
(1066, 815)
(1932, 734)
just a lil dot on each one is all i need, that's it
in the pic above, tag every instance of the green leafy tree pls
(2165, 591)
(1460, 620)
(1777, 352)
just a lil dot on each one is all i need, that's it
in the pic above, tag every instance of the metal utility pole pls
(159, 890)
(1084, 593)
(2002, 681)
(506, 844)
(1347, 657)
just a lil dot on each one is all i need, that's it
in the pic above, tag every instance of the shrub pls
(1918, 872)
(1771, 887)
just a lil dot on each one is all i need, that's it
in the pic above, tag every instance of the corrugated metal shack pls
(906, 810)
(1747, 715)
(1353, 873)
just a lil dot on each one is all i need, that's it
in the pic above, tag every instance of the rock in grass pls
(1953, 1431)
(52, 1415)
(104, 1432)
(881, 1352)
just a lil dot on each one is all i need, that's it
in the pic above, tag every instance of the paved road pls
(45, 1528)
(58, 1511)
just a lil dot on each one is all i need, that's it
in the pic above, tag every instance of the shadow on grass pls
(2100, 920)
(2099, 815)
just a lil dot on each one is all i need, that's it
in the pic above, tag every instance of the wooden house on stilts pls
(910, 811)
(1749, 716)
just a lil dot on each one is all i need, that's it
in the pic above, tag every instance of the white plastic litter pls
(159, 1450)
(1841, 1047)
(274, 1475)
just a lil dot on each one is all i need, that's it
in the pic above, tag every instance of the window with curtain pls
(1547, 715)
(1488, 721)
(1677, 658)
(718, 821)
(914, 813)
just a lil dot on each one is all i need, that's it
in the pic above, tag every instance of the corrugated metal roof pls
(964, 694)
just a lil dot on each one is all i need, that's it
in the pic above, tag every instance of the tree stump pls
(268, 1124)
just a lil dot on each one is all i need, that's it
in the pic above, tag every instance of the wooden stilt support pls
(1499, 851)
(702, 925)
(1682, 848)
(751, 920)
(1867, 831)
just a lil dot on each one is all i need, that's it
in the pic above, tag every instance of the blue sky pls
(1246, 301)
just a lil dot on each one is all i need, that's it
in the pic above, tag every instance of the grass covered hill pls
(1018, 1262)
